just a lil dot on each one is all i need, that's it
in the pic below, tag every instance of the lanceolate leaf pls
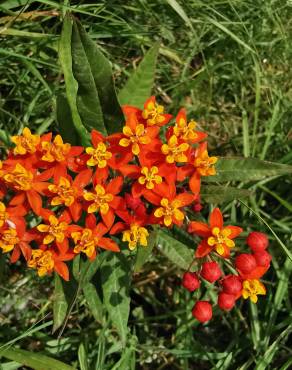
(71, 84)
(60, 304)
(247, 169)
(176, 251)
(220, 194)
(115, 273)
(65, 122)
(138, 87)
(93, 301)
(96, 99)
(34, 360)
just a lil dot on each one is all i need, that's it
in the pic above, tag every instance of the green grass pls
(229, 64)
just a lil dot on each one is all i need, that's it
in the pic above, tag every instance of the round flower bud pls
(232, 284)
(211, 271)
(257, 241)
(263, 258)
(202, 311)
(245, 263)
(190, 281)
(226, 301)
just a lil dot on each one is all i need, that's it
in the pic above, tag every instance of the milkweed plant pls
(117, 179)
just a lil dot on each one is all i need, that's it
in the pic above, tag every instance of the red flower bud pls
(263, 258)
(132, 202)
(226, 301)
(202, 311)
(211, 271)
(232, 284)
(257, 241)
(190, 281)
(245, 263)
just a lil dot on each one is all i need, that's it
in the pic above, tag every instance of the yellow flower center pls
(3, 214)
(8, 240)
(20, 178)
(99, 155)
(252, 288)
(150, 177)
(100, 199)
(175, 152)
(169, 211)
(185, 130)
(135, 138)
(153, 113)
(205, 164)
(55, 231)
(25, 143)
(42, 261)
(136, 234)
(55, 151)
(85, 242)
(220, 239)
(66, 194)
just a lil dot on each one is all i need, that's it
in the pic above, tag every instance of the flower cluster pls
(246, 268)
(59, 200)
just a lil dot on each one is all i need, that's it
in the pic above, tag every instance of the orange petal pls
(203, 249)
(62, 269)
(108, 244)
(83, 178)
(199, 228)
(115, 185)
(35, 201)
(108, 218)
(195, 183)
(185, 199)
(235, 231)
(216, 219)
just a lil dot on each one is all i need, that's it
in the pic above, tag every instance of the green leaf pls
(70, 82)
(138, 87)
(115, 273)
(176, 251)
(247, 169)
(144, 252)
(60, 304)
(82, 357)
(97, 101)
(93, 301)
(34, 360)
(220, 194)
(65, 122)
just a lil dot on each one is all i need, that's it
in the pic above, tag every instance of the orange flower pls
(54, 231)
(133, 229)
(68, 192)
(203, 166)
(28, 184)
(170, 203)
(87, 239)
(216, 236)
(136, 135)
(251, 288)
(57, 230)
(99, 153)
(153, 113)
(187, 131)
(105, 200)
(46, 261)
(57, 156)
(25, 143)
(174, 150)
(8, 240)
